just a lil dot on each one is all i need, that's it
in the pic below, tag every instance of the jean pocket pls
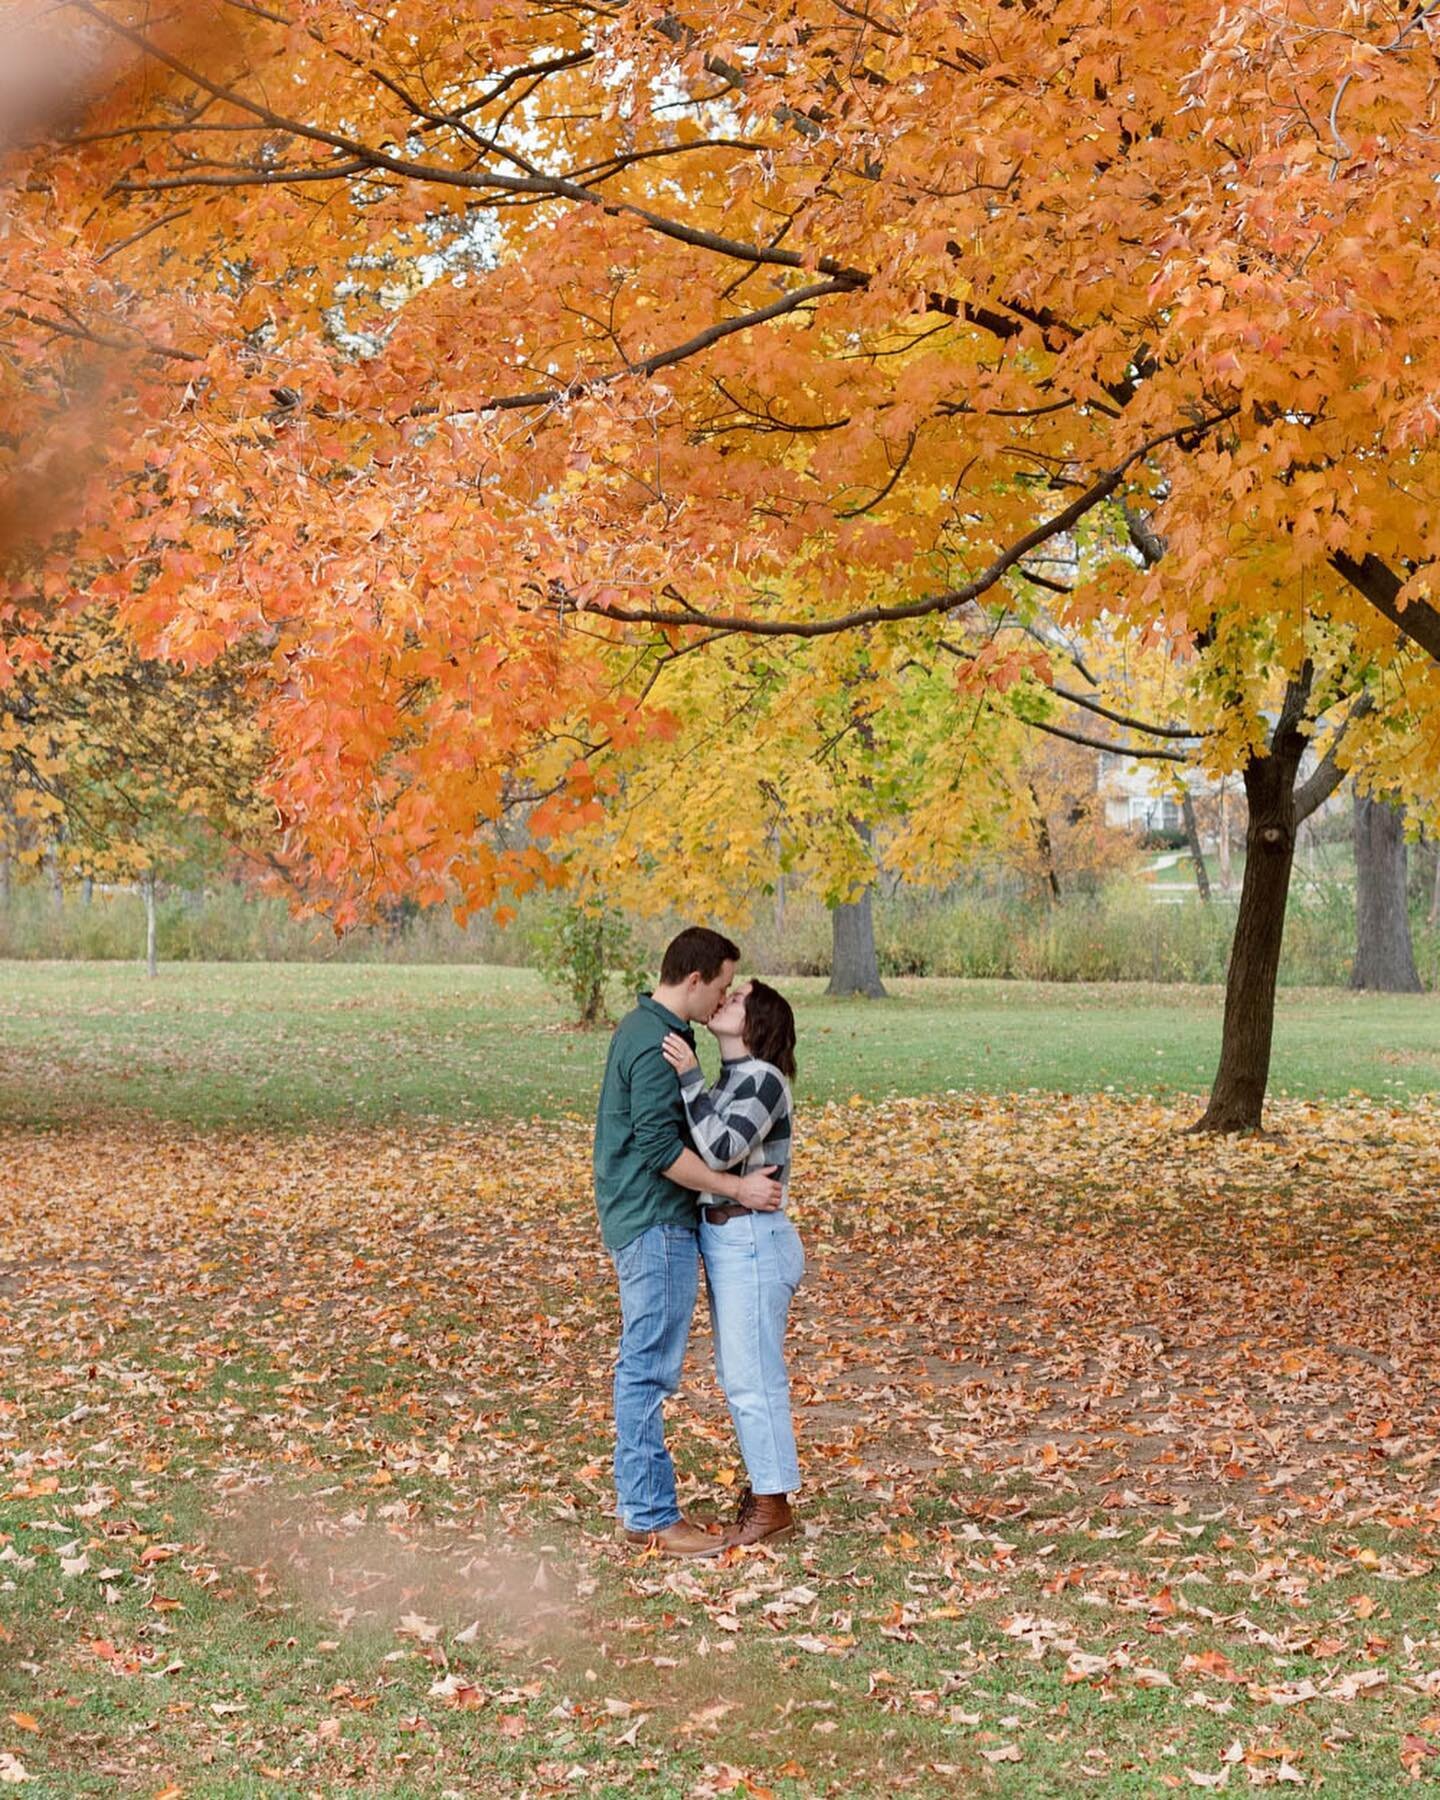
(630, 1258)
(732, 1242)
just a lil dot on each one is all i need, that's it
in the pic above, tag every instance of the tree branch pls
(662, 359)
(1129, 750)
(1327, 776)
(948, 601)
(1130, 724)
(88, 336)
(1418, 620)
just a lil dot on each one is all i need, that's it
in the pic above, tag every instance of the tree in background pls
(123, 769)
(1063, 846)
(1384, 951)
(796, 763)
(585, 946)
(1250, 699)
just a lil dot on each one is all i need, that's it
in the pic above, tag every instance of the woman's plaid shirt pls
(744, 1121)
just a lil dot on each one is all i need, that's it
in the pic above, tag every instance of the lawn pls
(283, 1045)
(1120, 1445)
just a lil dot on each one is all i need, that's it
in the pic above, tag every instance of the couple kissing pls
(687, 1175)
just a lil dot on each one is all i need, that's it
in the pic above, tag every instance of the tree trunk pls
(1197, 855)
(1237, 1099)
(12, 842)
(1238, 1096)
(1384, 953)
(52, 871)
(1227, 878)
(147, 888)
(854, 966)
(1435, 892)
(1045, 845)
(87, 890)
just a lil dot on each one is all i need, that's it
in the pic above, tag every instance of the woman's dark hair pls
(770, 1028)
(697, 951)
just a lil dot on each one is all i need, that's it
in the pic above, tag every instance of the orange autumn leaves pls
(453, 344)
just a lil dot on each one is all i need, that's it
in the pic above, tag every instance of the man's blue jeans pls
(753, 1266)
(659, 1275)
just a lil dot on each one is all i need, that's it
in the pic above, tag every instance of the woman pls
(753, 1260)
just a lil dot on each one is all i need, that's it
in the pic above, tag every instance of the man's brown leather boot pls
(762, 1519)
(680, 1539)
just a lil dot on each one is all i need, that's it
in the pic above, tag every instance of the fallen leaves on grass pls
(1103, 1408)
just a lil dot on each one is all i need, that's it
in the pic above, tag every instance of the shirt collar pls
(651, 1004)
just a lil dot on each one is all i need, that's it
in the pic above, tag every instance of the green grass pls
(285, 1045)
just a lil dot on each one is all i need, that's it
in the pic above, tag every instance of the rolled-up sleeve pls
(657, 1117)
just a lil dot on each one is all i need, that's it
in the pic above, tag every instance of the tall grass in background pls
(1121, 934)
(226, 925)
(1124, 935)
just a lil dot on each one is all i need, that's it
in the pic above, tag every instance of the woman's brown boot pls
(762, 1519)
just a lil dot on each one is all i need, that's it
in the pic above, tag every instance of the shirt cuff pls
(668, 1158)
(692, 1078)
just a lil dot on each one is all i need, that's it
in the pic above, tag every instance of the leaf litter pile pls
(1121, 1451)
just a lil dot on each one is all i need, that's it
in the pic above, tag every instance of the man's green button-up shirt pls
(640, 1129)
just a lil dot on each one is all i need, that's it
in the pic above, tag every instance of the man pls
(646, 1176)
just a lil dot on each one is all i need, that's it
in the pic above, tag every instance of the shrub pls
(582, 948)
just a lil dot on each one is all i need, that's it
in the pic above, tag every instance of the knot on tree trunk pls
(1274, 837)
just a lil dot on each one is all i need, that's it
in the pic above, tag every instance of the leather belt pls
(726, 1209)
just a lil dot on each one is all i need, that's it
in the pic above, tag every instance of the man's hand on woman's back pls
(760, 1191)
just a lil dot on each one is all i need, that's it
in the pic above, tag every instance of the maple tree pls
(449, 358)
(811, 289)
(808, 766)
(1289, 707)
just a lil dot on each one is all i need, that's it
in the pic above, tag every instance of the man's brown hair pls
(697, 951)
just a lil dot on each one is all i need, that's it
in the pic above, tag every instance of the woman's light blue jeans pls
(753, 1266)
(659, 1275)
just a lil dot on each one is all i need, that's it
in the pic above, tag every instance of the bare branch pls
(144, 232)
(663, 359)
(100, 339)
(1131, 724)
(1131, 750)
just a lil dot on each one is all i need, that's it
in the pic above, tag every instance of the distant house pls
(1136, 799)
(1135, 796)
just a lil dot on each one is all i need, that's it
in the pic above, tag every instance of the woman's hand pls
(678, 1053)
